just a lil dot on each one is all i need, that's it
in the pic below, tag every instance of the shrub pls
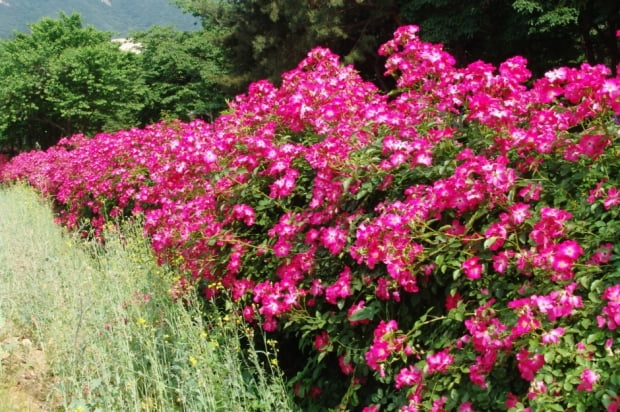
(450, 245)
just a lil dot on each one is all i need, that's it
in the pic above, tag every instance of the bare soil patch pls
(25, 382)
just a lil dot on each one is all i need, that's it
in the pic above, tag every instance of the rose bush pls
(452, 245)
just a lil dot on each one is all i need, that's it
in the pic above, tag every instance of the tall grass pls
(113, 337)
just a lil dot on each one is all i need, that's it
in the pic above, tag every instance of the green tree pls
(478, 29)
(263, 38)
(183, 72)
(588, 27)
(64, 78)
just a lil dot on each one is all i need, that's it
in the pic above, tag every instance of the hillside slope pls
(117, 16)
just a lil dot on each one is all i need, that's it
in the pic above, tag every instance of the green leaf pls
(366, 312)
(595, 297)
(439, 259)
(490, 241)
(549, 356)
(456, 274)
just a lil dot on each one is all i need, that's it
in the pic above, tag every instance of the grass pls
(112, 338)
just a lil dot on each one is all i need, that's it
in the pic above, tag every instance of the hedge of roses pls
(451, 245)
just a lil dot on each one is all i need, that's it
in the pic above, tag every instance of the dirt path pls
(23, 373)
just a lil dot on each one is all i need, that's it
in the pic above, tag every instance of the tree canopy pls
(265, 37)
(183, 72)
(64, 78)
(588, 27)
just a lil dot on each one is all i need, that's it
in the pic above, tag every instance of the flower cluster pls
(611, 312)
(444, 244)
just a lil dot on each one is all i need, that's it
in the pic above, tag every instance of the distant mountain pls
(117, 16)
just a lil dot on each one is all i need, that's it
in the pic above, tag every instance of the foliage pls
(62, 79)
(589, 26)
(182, 72)
(474, 30)
(264, 38)
(451, 245)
